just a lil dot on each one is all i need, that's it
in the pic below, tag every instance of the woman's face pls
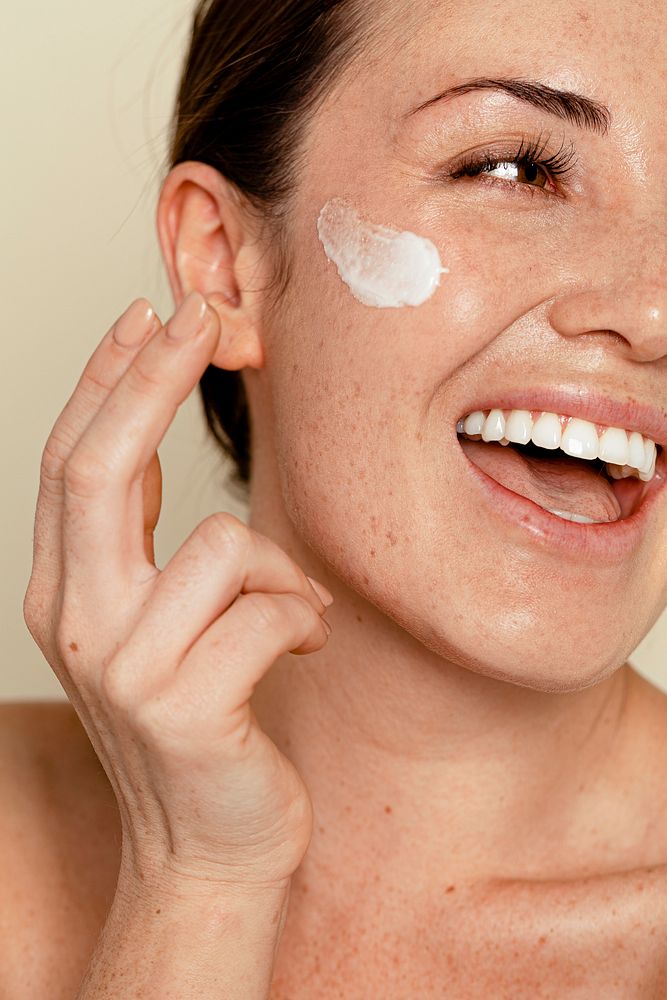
(555, 282)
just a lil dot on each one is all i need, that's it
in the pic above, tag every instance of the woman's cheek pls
(388, 291)
(354, 362)
(489, 289)
(380, 319)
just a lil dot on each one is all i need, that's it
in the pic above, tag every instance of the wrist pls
(175, 891)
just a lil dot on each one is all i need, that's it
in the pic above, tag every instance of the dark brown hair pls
(253, 72)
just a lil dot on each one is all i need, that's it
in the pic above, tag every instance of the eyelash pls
(529, 153)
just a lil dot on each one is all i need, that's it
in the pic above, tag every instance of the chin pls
(532, 651)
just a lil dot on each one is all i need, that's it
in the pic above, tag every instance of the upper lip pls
(582, 402)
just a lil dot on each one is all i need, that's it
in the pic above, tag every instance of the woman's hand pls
(160, 665)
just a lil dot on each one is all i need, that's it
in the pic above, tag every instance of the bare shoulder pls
(59, 848)
(27, 727)
(37, 740)
(46, 760)
(56, 804)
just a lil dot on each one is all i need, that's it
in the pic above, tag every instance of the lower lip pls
(610, 543)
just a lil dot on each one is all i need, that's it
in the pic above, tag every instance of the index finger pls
(108, 363)
(104, 517)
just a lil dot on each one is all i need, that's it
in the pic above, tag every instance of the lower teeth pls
(579, 518)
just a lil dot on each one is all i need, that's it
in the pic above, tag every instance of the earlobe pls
(240, 345)
(201, 231)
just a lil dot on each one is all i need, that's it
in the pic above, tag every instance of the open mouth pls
(563, 464)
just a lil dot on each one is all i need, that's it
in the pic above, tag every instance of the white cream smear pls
(382, 267)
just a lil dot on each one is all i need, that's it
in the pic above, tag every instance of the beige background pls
(86, 95)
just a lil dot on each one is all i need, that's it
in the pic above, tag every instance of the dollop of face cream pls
(382, 267)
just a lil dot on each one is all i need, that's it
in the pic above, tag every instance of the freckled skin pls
(495, 320)
(474, 681)
(537, 289)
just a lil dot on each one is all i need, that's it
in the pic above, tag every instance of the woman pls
(418, 254)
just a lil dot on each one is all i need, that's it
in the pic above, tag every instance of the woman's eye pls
(523, 172)
(526, 168)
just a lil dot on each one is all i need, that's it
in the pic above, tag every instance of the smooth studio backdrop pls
(86, 97)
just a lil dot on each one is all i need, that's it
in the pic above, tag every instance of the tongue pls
(556, 483)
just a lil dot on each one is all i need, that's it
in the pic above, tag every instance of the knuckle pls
(96, 382)
(54, 456)
(143, 381)
(85, 473)
(117, 686)
(34, 612)
(264, 612)
(30, 604)
(51, 467)
(279, 613)
(303, 613)
(224, 532)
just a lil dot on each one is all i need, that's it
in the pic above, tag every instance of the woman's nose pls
(624, 259)
(635, 309)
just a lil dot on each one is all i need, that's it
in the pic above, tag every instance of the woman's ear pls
(209, 246)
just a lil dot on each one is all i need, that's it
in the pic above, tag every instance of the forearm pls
(165, 945)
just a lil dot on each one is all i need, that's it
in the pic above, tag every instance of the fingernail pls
(134, 324)
(189, 317)
(322, 592)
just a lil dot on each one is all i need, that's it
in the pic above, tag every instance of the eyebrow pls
(575, 108)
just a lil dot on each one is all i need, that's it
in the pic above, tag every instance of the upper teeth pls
(625, 453)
